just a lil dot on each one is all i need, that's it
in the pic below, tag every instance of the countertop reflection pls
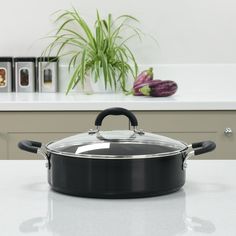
(165, 215)
(205, 206)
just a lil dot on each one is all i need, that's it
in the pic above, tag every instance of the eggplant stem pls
(145, 90)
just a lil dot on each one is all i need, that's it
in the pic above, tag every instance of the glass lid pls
(118, 143)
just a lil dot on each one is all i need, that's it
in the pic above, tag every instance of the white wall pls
(188, 31)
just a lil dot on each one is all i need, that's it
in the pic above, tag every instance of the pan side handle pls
(29, 146)
(198, 149)
(203, 147)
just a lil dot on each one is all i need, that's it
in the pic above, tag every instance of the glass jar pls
(48, 74)
(6, 74)
(25, 74)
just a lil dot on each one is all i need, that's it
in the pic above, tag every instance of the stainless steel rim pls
(115, 157)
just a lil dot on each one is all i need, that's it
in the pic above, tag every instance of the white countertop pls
(206, 205)
(82, 102)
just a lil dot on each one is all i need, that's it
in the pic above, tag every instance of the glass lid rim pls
(117, 157)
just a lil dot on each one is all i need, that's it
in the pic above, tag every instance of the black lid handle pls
(116, 111)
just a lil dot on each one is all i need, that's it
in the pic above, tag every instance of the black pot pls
(116, 164)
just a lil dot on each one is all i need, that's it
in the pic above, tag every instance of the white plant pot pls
(99, 86)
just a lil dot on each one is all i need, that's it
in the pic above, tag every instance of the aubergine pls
(161, 88)
(136, 89)
(143, 77)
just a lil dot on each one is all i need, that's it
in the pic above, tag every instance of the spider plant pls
(100, 50)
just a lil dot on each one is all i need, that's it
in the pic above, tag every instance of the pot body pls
(116, 178)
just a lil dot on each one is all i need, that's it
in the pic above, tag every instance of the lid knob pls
(116, 111)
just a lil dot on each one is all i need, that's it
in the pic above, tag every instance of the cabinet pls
(194, 126)
(189, 126)
(3, 146)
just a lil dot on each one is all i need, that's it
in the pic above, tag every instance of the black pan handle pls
(198, 149)
(29, 146)
(116, 111)
(203, 147)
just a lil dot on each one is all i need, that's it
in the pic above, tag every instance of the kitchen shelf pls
(82, 102)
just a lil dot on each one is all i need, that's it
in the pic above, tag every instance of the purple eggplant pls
(145, 76)
(162, 88)
(136, 89)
